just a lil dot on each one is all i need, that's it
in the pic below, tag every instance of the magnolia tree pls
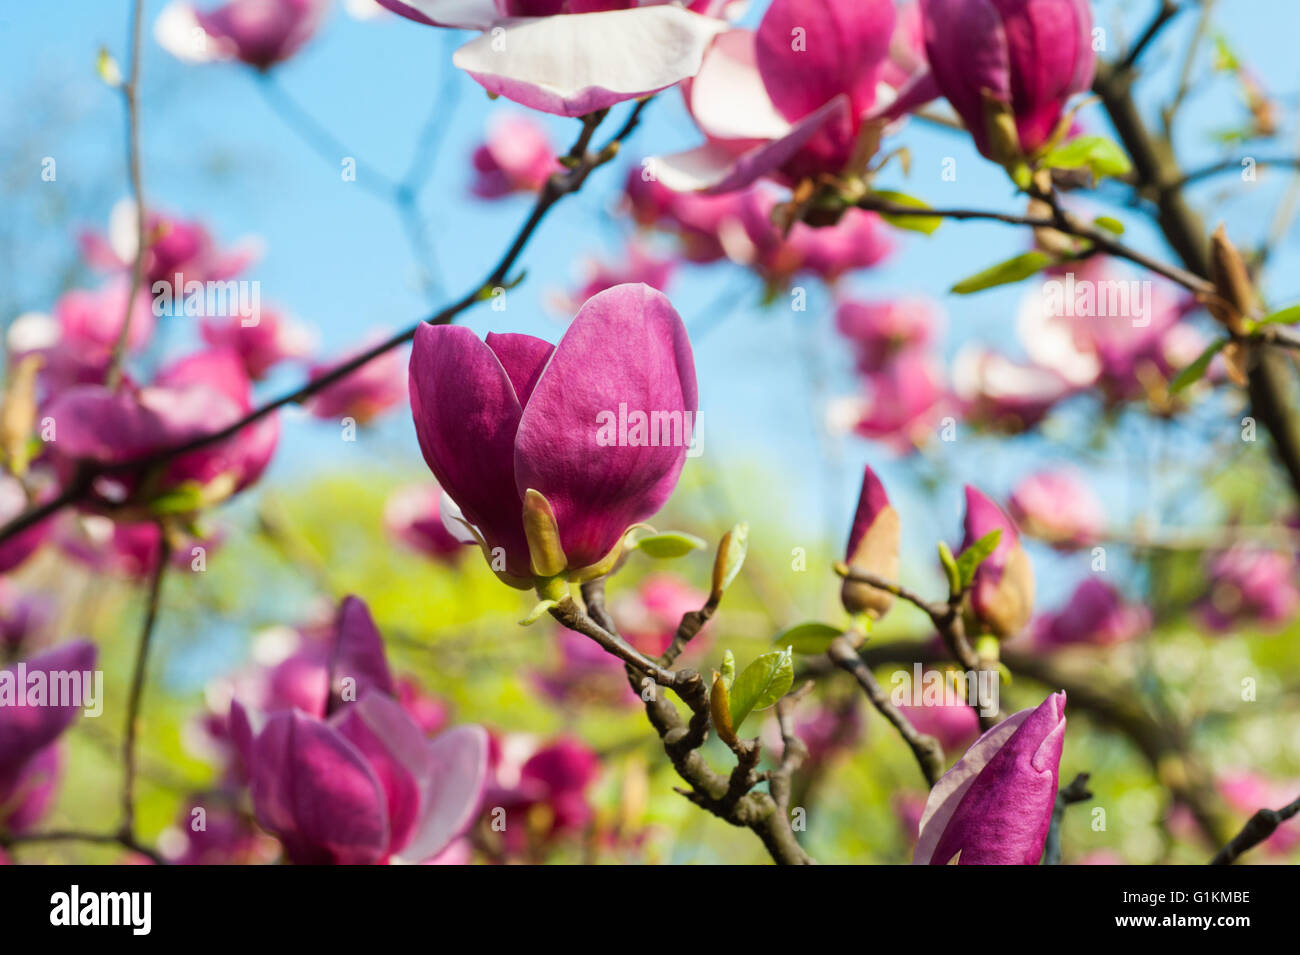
(1146, 684)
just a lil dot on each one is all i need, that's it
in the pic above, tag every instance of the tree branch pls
(1257, 829)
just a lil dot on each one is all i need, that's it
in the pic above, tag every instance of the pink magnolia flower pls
(272, 339)
(571, 57)
(636, 264)
(519, 432)
(131, 549)
(515, 157)
(173, 247)
(648, 617)
(878, 331)
(227, 836)
(1058, 507)
(413, 515)
(190, 398)
(363, 395)
(858, 240)
(954, 724)
(904, 403)
(1091, 326)
(554, 777)
(1250, 585)
(13, 502)
(1002, 594)
(260, 33)
(872, 548)
(586, 674)
(1096, 615)
(342, 772)
(77, 341)
(1003, 394)
(790, 100)
(29, 758)
(994, 807)
(703, 224)
(364, 786)
(1024, 58)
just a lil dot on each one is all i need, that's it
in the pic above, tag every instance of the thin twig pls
(1257, 829)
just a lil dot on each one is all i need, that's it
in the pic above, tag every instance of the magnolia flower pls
(341, 772)
(1249, 584)
(173, 247)
(554, 778)
(190, 398)
(1096, 614)
(131, 549)
(1002, 594)
(586, 674)
(872, 548)
(635, 264)
(700, 222)
(262, 345)
(260, 33)
(363, 394)
(29, 758)
(413, 515)
(548, 451)
(364, 786)
(994, 807)
(571, 57)
(878, 331)
(954, 724)
(1009, 66)
(516, 156)
(76, 342)
(1059, 508)
(794, 98)
(1000, 393)
(904, 402)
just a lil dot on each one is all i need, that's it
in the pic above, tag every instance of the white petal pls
(576, 64)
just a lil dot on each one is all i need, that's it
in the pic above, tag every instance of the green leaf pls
(731, 557)
(1196, 370)
(1012, 270)
(538, 609)
(728, 673)
(970, 559)
(925, 224)
(1098, 153)
(808, 637)
(950, 569)
(182, 499)
(669, 544)
(1109, 224)
(1287, 316)
(762, 683)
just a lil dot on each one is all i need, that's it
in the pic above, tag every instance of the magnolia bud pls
(872, 548)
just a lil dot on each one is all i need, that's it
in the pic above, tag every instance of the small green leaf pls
(950, 569)
(1098, 153)
(1012, 270)
(538, 609)
(1196, 370)
(731, 557)
(182, 499)
(761, 684)
(808, 637)
(728, 673)
(925, 224)
(1287, 316)
(1109, 224)
(669, 544)
(969, 560)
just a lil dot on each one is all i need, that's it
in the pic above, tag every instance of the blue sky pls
(337, 258)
